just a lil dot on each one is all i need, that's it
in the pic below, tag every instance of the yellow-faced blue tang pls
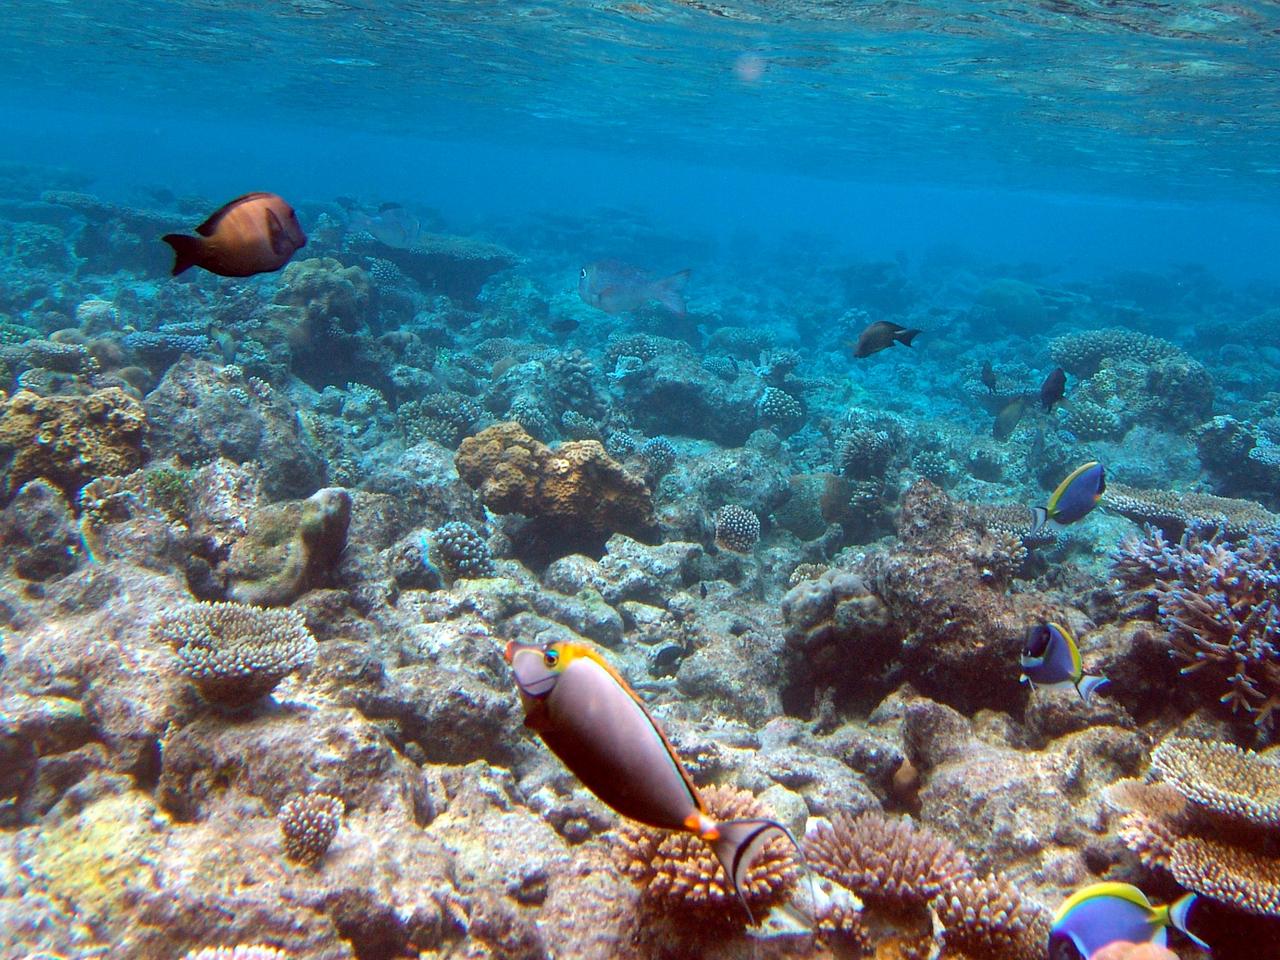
(1050, 658)
(593, 721)
(1075, 497)
(1104, 913)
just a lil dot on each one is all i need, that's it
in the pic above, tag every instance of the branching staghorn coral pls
(1208, 822)
(1219, 604)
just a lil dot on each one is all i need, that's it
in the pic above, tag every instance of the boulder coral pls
(575, 496)
(69, 440)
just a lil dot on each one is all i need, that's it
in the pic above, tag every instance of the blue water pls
(1098, 134)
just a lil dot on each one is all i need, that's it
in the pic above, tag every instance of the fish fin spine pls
(187, 251)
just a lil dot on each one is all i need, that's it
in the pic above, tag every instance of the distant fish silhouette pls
(563, 325)
(1053, 389)
(617, 287)
(880, 336)
(392, 225)
(1009, 417)
(256, 233)
(988, 376)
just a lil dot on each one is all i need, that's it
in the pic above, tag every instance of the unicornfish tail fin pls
(737, 843)
(187, 251)
(905, 337)
(1039, 517)
(1177, 914)
(1088, 684)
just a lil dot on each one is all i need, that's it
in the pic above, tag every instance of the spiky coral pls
(1219, 603)
(887, 861)
(987, 917)
(681, 877)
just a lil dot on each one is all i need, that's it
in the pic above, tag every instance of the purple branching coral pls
(1219, 604)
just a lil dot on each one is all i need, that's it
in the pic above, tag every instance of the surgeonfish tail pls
(668, 292)
(1178, 911)
(1039, 517)
(1088, 684)
(906, 336)
(186, 251)
(737, 843)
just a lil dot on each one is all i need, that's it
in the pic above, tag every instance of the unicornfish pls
(256, 233)
(1051, 659)
(1109, 912)
(589, 717)
(1074, 498)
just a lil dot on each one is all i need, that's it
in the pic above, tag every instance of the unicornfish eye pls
(551, 658)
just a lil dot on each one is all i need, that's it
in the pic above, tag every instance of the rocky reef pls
(263, 542)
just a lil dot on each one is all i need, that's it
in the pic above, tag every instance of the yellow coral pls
(70, 440)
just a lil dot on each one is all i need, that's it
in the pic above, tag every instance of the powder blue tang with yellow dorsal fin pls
(1074, 498)
(1050, 658)
(1105, 913)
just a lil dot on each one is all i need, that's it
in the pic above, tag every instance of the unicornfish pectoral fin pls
(1088, 684)
(737, 843)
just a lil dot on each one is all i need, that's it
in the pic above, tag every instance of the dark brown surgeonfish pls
(1053, 389)
(988, 376)
(593, 721)
(880, 336)
(256, 233)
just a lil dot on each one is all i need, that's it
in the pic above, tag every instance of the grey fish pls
(1009, 417)
(617, 287)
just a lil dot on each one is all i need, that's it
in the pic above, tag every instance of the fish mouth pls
(539, 688)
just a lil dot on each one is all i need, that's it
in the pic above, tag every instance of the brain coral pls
(236, 654)
(70, 440)
(681, 877)
(576, 491)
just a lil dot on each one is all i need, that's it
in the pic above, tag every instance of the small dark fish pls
(563, 325)
(392, 225)
(256, 233)
(1008, 418)
(880, 336)
(1075, 497)
(988, 376)
(617, 287)
(1053, 389)
(702, 589)
(1050, 658)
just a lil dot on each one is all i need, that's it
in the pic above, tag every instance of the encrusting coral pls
(681, 877)
(575, 491)
(234, 653)
(69, 440)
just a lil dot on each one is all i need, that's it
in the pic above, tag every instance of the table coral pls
(1175, 511)
(70, 440)
(575, 492)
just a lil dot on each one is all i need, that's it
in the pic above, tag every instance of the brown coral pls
(575, 491)
(70, 440)
(1222, 778)
(308, 825)
(987, 917)
(1174, 512)
(681, 877)
(236, 654)
(889, 862)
